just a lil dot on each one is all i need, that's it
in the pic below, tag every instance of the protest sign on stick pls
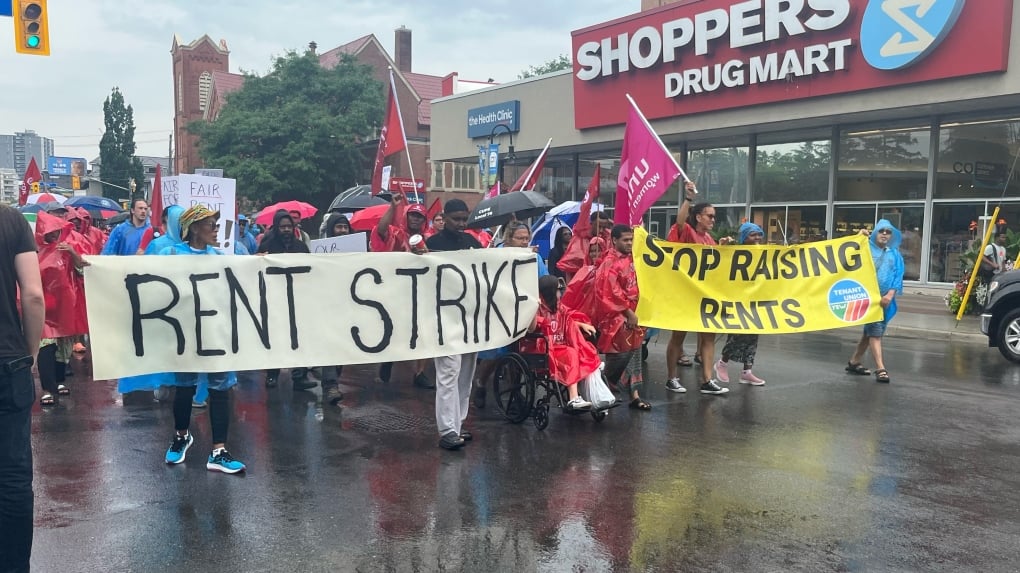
(215, 193)
(217, 314)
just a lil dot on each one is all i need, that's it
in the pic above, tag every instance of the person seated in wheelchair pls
(572, 356)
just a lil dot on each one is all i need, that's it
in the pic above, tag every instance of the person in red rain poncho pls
(580, 293)
(388, 237)
(96, 238)
(60, 266)
(571, 357)
(575, 256)
(620, 337)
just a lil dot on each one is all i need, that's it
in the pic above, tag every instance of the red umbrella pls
(367, 219)
(265, 216)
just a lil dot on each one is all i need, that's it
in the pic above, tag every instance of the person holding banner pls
(742, 347)
(693, 225)
(454, 374)
(279, 239)
(127, 237)
(620, 337)
(885, 244)
(199, 228)
(389, 238)
(337, 225)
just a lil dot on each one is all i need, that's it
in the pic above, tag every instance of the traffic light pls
(35, 187)
(31, 31)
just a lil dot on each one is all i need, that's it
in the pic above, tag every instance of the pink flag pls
(647, 169)
(528, 180)
(493, 191)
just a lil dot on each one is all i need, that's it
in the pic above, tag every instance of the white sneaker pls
(579, 403)
(748, 377)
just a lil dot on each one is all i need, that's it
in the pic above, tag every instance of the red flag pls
(494, 191)
(434, 209)
(529, 180)
(156, 201)
(575, 255)
(583, 225)
(32, 175)
(647, 169)
(391, 137)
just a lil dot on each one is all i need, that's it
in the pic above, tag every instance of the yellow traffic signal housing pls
(31, 29)
(35, 187)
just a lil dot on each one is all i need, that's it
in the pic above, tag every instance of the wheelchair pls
(524, 387)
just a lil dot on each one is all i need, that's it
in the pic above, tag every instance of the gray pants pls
(453, 391)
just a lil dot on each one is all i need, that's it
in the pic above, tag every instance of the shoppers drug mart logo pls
(849, 300)
(898, 33)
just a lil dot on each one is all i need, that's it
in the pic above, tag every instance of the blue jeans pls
(17, 392)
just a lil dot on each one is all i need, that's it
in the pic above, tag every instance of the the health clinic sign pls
(707, 55)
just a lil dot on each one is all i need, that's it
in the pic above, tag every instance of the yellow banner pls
(748, 289)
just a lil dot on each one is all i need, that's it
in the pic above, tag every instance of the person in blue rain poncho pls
(885, 244)
(198, 226)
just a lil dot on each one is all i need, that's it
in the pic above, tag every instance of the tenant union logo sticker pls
(898, 33)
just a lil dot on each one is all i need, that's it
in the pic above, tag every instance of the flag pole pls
(534, 164)
(403, 132)
(657, 138)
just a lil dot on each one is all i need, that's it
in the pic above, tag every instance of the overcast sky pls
(98, 44)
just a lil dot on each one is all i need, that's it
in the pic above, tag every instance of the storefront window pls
(792, 172)
(610, 168)
(727, 221)
(975, 159)
(955, 227)
(720, 174)
(883, 165)
(556, 181)
(909, 219)
(790, 225)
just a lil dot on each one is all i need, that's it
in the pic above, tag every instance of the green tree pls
(560, 63)
(117, 149)
(297, 131)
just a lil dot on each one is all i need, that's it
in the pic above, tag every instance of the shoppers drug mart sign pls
(706, 55)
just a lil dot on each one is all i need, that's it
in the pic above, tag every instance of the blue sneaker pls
(178, 448)
(221, 461)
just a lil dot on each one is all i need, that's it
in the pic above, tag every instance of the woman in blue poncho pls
(885, 244)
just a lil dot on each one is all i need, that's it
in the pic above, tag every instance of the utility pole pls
(170, 156)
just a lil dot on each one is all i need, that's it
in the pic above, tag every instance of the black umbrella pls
(118, 218)
(502, 208)
(355, 199)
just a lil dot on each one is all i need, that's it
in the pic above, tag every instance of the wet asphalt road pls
(817, 471)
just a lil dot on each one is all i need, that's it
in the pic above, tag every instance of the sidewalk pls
(927, 317)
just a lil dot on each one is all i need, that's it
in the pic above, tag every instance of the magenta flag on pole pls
(647, 169)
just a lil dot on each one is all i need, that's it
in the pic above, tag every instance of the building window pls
(790, 225)
(792, 172)
(457, 177)
(180, 92)
(975, 159)
(883, 164)
(204, 87)
(720, 174)
(437, 175)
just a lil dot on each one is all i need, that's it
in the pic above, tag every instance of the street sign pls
(209, 172)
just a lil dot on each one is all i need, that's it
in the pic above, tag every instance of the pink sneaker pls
(748, 377)
(720, 372)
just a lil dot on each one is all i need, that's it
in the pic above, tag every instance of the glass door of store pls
(790, 225)
(907, 217)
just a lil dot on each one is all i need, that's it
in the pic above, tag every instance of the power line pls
(101, 134)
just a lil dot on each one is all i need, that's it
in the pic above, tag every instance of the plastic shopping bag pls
(597, 392)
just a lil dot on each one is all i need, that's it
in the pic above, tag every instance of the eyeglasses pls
(885, 232)
(712, 217)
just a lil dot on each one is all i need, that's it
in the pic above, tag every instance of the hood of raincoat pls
(333, 219)
(894, 241)
(602, 250)
(86, 221)
(746, 229)
(46, 224)
(173, 222)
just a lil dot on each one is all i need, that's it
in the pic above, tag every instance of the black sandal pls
(882, 375)
(857, 369)
(47, 400)
(639, 404)
(63, 390)
(685, 360)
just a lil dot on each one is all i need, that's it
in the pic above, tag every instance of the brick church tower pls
(194, 65)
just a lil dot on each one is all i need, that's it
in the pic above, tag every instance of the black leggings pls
(48, 369)
(219, 411)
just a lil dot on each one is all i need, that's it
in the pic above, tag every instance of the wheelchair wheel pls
(644, 351)
(599, 415)
(514, 386)
(541, 414)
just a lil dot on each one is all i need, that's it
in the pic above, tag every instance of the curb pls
(916, 333)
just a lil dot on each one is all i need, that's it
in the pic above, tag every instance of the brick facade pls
(190, 62)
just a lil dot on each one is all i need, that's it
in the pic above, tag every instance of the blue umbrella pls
(563, 215)
(33, 208)
(92, 202)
